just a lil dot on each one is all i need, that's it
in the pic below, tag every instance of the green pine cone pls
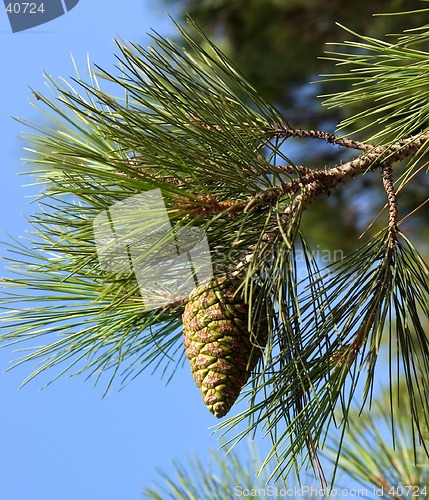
(218, 343)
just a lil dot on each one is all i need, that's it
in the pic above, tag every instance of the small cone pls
(218, 343)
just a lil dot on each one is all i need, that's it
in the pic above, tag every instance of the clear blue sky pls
(65, 443)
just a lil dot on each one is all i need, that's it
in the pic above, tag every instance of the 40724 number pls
(25, 8)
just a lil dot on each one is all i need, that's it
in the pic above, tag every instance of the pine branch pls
(322, 181)
(314, 183)
(190, 125)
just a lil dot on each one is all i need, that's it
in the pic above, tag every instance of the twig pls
(295, 169)
(387, 178)
(324, 136)
(202, 205)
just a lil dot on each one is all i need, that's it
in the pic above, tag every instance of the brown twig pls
(324, 136)
(202, 205)
(295, 169)
(392, 201)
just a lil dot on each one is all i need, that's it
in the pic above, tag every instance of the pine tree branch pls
(313, 183)
(319, 182)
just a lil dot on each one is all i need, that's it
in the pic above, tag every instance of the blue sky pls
(65, 442)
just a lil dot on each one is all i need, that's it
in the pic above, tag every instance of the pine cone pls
(218, 343)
